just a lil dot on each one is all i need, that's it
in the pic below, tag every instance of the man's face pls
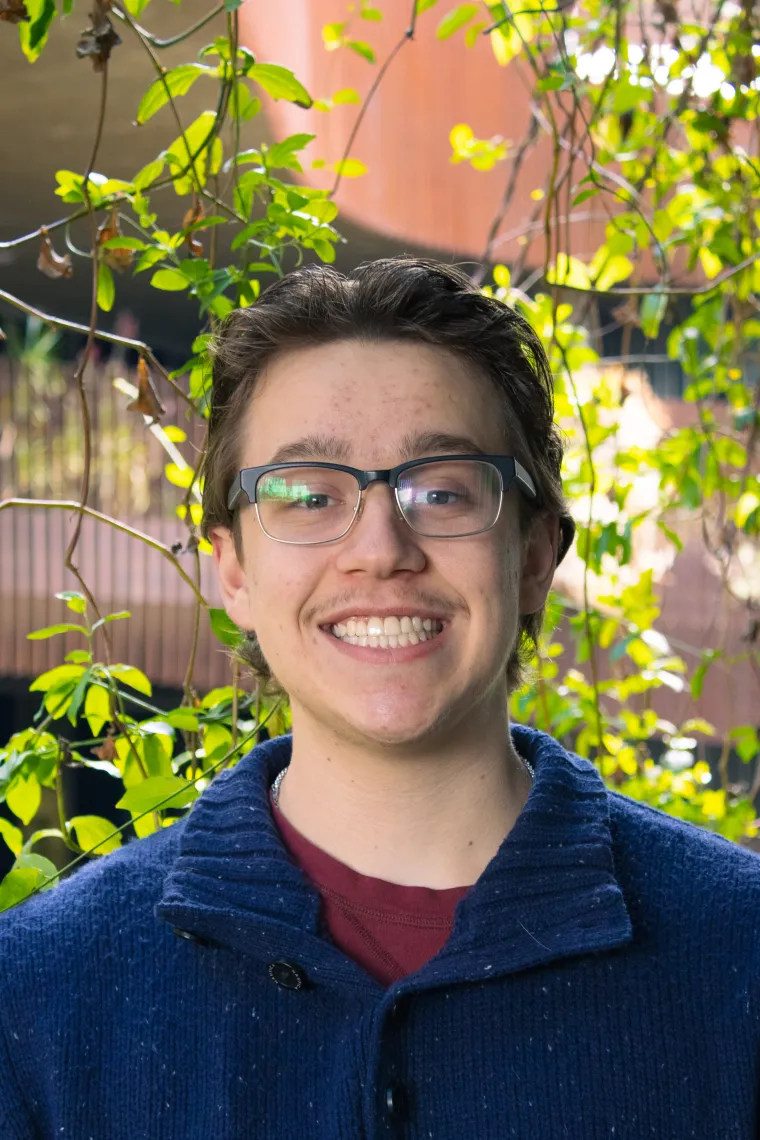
(371, 395)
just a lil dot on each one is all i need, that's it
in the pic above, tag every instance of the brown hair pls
(393, 299)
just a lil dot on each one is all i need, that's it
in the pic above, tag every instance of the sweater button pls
(396, 1101)
(287, 975)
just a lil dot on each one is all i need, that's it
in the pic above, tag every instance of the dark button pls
(287, 975)
(396, 1100)
(188, 934)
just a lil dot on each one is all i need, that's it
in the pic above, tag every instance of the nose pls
(380, 540)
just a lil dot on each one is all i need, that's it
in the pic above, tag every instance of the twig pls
(71, 505)
(408, 35)
(155, 42)
(99, 334)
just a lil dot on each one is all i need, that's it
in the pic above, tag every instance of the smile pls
(386, 633)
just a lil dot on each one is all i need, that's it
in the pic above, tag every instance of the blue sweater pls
(602, 980)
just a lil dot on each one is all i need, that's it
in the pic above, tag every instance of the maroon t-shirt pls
(390, 930)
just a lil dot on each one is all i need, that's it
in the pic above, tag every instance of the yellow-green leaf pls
(280, 83)
(52, 677)
(179, 476)
(149, 795)
(350, 168)
(97, 708)
(12, 835)
(136, 679)
(23, 797)
(748, 503)
(52, 630)
(94, 834)
(455, 20)
(346, 95)
(106, 288)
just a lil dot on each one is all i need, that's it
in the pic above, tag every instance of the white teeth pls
(387, 633)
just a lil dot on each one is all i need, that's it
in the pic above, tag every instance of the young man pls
(410, 918)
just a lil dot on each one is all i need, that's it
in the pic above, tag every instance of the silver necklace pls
(279, 778)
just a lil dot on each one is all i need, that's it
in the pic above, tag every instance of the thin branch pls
(99, 334)
(70, 505)
(408, 35)
(155, 42)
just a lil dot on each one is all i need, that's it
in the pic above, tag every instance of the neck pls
(433, 815)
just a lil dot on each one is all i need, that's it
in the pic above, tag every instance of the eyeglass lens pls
(315, 504)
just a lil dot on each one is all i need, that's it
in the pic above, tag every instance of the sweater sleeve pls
(15, 1121)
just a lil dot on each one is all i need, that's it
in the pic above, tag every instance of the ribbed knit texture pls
(601, 980)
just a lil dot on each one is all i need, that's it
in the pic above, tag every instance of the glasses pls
(313, 503)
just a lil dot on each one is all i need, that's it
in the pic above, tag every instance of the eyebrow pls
(413, 445)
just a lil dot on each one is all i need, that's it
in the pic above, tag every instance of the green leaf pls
(651, 312)
(243, 105)
(79, 656)
(23, 797)
(232, 5)
(373, 14)
(74, 600)
(77, 696)
(135, 678)
(124, 243)
(19, 883)
(150, 794)
(280, 83)
(136, 7)
(282, 154)
(178, 81)
(362, 49)
(111, 617)
(423, 5)
(188, 154)
(186, 719)
(455, 20)
(94, 834)
(149, 174)
(33, 35)
(224, 627)
(350, 167)
(746, 506)
(97, 707)
(52, 630)
(106, 288)
(169, 279)
(12, 835)
(61, 673)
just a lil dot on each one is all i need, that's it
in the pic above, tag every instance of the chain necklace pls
(279, 778)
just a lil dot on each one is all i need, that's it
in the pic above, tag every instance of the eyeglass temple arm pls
(524, 481)
(234, 493)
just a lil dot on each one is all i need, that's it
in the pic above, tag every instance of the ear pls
(539, 562)
(233, 583)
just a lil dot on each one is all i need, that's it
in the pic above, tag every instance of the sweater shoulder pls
(117, 890)
(684, 869)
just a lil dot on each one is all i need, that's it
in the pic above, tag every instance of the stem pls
(70, 505)
(154, 41)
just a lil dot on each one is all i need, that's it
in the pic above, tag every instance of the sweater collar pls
(549, 892)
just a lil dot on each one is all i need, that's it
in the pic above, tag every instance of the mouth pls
(391, 638)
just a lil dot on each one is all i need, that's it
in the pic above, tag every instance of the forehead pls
(372, 394)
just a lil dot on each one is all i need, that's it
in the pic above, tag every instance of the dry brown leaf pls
(147, 402)
(51, 263)
(99, 40)
(115, 258)
(13, 11)
(107, 750)
(195, 214)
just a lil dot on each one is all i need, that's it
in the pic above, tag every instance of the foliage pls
(650, 123)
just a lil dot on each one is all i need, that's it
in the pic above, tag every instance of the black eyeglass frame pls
(510, 472)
